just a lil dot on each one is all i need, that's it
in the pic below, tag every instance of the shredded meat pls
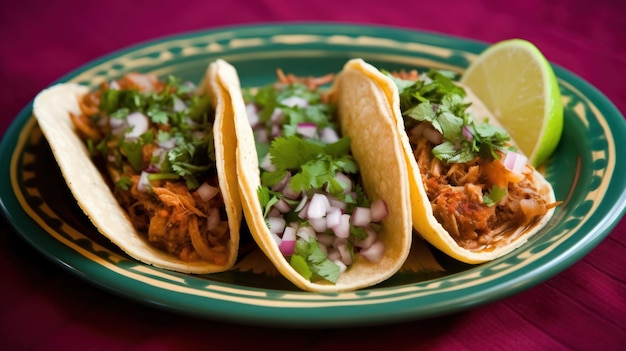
(456, 194)
(171, 217)
(313, 83)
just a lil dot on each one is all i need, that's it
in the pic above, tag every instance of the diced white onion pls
(361, 216)
(138, 122)
(379, 210)
(143, 184)
(307, 130)
(266, 164)
(333, 218)
(318, 206)
(345, 181)
(207, 191)
(295, 101)
(375, 252)
(515, 162)
(306, 233)
(282, 206)
(318, 224)
(342, 230)
(329, 135)
(276, 224)
(179, 105)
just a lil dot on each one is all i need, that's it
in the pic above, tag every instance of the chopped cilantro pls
(494, 195)
(311, 262)
(437, 100)
(313, 166)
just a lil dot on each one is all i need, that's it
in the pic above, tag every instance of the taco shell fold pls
(424, 221)
(52, 107)
(376, 147)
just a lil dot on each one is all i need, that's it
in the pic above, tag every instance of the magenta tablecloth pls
(43, 307)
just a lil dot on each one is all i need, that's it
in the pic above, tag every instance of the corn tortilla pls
(377, 150)
(424, 221)
(52, 107)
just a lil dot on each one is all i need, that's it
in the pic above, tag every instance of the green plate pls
(584, 171)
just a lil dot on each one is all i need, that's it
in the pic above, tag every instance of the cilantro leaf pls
(311, 262)
(494, 195)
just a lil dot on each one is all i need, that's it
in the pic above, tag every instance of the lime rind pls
(551, 127)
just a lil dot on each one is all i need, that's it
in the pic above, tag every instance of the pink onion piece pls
(253, 115)
(433, 135)
(306, 129)
(367, 242)
(467, 133)
(342, 230)
(361, 216)
(282, 206)
(207, 191)
(515, 162)
(288, 241)
(345, 181)
(379, 210)
(318, 224)
(333, 218)
(375, 252)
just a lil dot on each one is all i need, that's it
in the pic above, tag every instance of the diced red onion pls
(379, 210)
(369, 240)
(303, 202)
(145, 82)
(433, 135)
(342, 230)
(345, 181)
(467, 133)
(334, 202)
(333, 254)
(329, 135)
(375, 252)
(318, 206)
(361, 216)
(344, 252)
(138, 122)
(283, 182)
(306, 129)
(276, 224)
(417, 131)
(325, 239)
(306, 233)
(282, 206)
(207, 191)
(288, 241)
(277, 117)
(295, 101)
(213, 218)
(290, 192)
(515, 162)
(266, 164)
(179, 105)
(143, 184)
(253, 115)
(333, 218)
(318, 224)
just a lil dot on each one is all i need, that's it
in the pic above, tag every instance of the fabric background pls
(42, 307)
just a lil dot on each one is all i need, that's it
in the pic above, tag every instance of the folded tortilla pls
(376, 147)
(424, 220)
(52, 108)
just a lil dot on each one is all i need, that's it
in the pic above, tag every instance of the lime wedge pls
(516, 82)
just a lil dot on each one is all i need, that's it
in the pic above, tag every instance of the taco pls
(151, 162)
(324, 190)
(474, 196)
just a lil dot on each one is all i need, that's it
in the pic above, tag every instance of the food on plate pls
(474, 195)
(151, 161)
(323, 182)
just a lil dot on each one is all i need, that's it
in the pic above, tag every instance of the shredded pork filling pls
(456, 190)
(172, 217)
